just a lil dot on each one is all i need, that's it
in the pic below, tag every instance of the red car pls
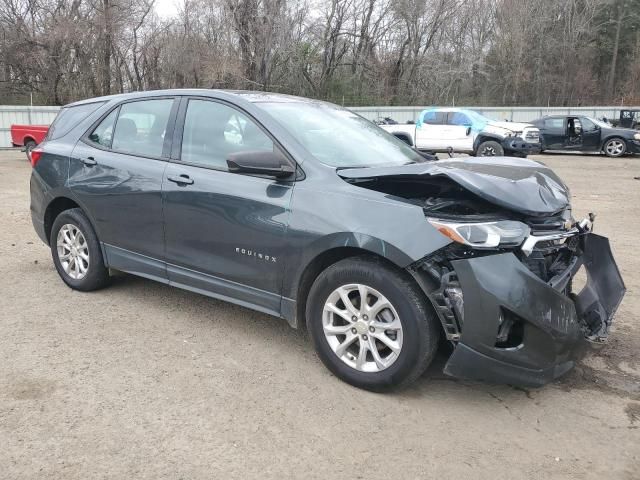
(28, 136)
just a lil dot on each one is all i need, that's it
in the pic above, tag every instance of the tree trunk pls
(614, 55)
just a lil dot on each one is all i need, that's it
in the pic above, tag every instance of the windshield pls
(600, 123)
(340, 138)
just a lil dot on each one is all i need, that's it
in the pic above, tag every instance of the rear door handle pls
(181, 180)
(89, 161)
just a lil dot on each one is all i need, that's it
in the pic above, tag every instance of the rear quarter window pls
(69, 117)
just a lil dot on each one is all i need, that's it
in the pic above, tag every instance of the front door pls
(116, 172)
(591, 135)
(224, 232)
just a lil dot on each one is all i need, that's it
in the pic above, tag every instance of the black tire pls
(419, 324)
(97, 275)
(28, 146)
(490, 148)
(610, 151)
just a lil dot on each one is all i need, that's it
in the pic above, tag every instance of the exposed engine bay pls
(504, 287)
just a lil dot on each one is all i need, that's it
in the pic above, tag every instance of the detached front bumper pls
(547, 328)
(520, 145)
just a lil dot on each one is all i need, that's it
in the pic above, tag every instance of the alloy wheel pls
(615, 148)
(488, 152)
(73, 251)
(362, 328)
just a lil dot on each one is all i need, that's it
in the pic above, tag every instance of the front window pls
(213, 131)
(339, 137)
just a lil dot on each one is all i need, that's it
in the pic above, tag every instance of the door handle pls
(89, 161)
(181, 180)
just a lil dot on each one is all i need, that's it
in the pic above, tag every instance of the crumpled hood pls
(516, 184)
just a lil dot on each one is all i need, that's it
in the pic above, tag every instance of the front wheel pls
(370, 324)
(614, 147)
(490, 149)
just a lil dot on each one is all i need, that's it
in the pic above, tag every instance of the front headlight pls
(636, 136)
(507, 233)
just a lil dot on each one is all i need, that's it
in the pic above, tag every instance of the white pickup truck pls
(466, 131)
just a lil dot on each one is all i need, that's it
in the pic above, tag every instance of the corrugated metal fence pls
(513, 114)
(11, 114)
(44, 115)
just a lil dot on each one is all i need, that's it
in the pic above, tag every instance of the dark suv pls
(306, 211)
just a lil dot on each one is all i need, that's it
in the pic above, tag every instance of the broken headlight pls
(504, 233)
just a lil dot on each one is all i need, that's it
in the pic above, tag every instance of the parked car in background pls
(28, 136)
(629, 119)
(306, 211)
(466, 131)
(586, 134)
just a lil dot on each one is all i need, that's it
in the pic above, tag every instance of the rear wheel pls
(614, 147)
(371, 326)
(76, 252)
(28, 146)
(490, 149)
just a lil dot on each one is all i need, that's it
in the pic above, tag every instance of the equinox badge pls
(258, 255)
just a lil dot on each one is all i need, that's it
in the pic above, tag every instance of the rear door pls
(553, 132)
(459, 125)
(116, 172)
(431, 134)
(224, 231)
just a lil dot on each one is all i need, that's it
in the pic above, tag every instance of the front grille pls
(532, 136)
(545, 225)
(550, 257)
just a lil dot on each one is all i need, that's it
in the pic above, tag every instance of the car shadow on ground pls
(257, 328)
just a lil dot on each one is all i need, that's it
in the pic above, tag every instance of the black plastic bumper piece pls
(633, 146)
(553, 325)
(519, 145)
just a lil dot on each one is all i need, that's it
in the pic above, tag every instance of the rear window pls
(554, 123)
(69, 117)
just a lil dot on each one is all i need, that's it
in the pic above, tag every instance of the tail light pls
(35, 155)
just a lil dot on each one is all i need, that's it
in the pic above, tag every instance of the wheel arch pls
(613, 136)
(321, 262)
(58, 205)
(28, 138)
(485, 137)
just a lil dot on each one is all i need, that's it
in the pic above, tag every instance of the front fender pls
(358, 218)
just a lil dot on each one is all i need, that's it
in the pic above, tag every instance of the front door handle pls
(89, 161)
(181, 180)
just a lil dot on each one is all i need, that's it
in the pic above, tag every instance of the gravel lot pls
(146, 381)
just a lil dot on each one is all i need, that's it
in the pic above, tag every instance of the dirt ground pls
(146, 381)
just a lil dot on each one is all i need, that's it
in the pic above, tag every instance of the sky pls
(166, 8)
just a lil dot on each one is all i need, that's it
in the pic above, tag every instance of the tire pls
(417, 338)
(28, 146)
(95, 274)
(614, 147)
(490, 148)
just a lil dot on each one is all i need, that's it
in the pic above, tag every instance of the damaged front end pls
(506, 290)
(515, 318)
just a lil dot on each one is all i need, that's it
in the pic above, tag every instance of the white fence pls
(11, 114)
(40, 115)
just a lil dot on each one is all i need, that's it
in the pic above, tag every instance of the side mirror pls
(468, 131)
(260, 163)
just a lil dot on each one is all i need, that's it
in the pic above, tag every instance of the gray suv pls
(308, 212)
